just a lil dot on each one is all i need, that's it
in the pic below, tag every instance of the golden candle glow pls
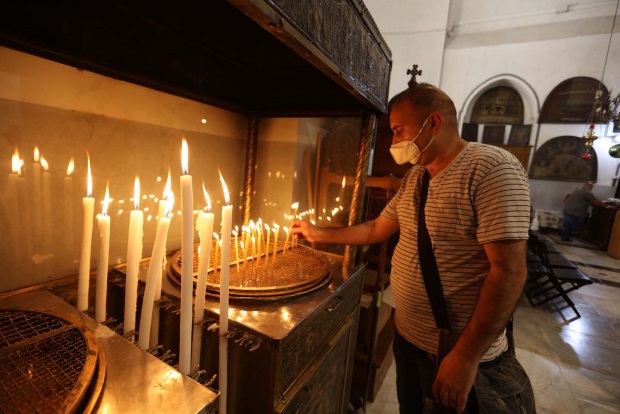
(37, 154)
(184, 157)
(89, 180)
(106, 200)
(70, 167)
(16, 163)
(136, 193)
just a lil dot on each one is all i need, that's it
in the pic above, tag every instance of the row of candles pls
(189, 350)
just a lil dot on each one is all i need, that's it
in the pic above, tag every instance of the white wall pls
(539, 42)
(415, 31)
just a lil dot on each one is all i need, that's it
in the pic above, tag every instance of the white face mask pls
(408, 151)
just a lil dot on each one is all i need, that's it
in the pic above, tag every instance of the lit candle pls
(295, 206)
(187, 265)
(46, 209)
(134, 255)
(154, 274)
(259, 234)
(204, 226)
(161, 212)
(68, 203)
(36, 194)
(286, 242)
(267, 244)
(103, 221)
(253, 247)
(14, 194)
(235, 233)
(88, 207)
(224, 286)
(276, 230)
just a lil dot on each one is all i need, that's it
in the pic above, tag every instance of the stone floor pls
(574, 365)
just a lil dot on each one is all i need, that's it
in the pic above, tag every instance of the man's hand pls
(454, 380)
(305, 230)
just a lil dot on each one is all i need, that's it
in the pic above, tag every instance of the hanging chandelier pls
(604, 108)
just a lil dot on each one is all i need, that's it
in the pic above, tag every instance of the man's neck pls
(446, 158)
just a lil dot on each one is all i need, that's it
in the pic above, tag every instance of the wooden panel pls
(614, 240)
(521, 152)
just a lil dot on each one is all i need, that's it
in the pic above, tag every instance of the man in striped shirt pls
(477, 216)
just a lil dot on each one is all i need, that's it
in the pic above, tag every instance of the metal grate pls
(298, 270)
(42, 360)
(16, 326)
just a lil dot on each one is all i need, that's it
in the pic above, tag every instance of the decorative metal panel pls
(338, 30)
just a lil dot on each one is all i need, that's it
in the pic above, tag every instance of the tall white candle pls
(134, 255)
(187, 265)
(154, 274)
(160, 213)
(204, 226)
(88, 208)
(36, 195)
(68, 204)
(103, 221)
(46, 205)
(224, 286)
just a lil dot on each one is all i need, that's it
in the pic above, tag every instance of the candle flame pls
(89, 185)
(184, 157)
(44, 164)
(168, 187)
(226, 195)
(295, 205)
(285, 229)
(252, 225)
(169, 204)
(136, 193)
(16, 163)
(344, 181)
(267, 227)
(37, 155)
(217, 237)
(207, 198)
(71, 166)
(106, 200)
(235, 233)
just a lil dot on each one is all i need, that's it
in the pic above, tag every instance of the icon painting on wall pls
(560, 159)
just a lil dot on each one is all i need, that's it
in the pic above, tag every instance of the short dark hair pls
(427, 98)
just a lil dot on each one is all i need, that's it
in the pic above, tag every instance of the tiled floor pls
(574, 365)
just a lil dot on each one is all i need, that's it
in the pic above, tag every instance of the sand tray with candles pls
(294, 272)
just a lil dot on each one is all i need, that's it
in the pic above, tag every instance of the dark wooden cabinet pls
(601, 226)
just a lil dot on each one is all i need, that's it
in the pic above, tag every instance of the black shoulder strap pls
(428, 263)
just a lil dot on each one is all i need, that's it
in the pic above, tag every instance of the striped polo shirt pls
(482, 197)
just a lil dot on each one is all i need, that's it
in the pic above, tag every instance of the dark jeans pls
(570, 224)
(502, 384)
(415, 373)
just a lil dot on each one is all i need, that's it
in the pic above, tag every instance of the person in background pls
(478, 216)
(576, 209)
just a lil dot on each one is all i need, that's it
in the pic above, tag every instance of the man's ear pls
(436, 121)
